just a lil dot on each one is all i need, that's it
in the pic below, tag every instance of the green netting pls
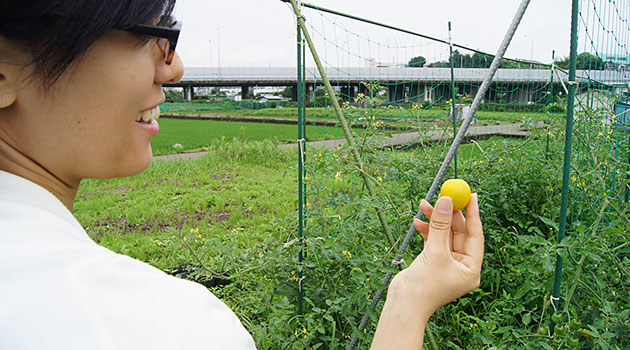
(595, 251)
(395, 90)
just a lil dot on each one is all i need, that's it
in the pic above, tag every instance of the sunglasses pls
(167, 36)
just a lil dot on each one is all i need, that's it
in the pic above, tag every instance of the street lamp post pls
(219, 47)
(531, 50)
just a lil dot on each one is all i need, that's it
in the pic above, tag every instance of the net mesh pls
(595, 250)
(404, 103)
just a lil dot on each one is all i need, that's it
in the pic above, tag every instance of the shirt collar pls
(14, 188)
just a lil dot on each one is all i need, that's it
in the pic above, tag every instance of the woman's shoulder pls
(89, 290)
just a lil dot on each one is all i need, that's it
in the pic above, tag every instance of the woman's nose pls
(170, 73)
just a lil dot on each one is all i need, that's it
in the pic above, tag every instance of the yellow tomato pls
(458, 190)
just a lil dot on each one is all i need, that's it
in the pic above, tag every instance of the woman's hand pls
(450, 264)
(448, 267)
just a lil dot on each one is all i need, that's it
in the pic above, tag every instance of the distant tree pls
(439, 64)
(481, 60)
(460, 60)
(216, 91)
(173, 96)
(562, 63)
(584, 61)
(287, 92)
(417, 61)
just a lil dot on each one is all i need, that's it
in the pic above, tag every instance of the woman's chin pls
(128, 167)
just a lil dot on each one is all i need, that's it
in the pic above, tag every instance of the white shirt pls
(61, 290)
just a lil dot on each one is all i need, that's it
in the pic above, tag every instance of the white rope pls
(401, 262)
(301, 149)
(561, 81)
(300, 282)
(551, 300)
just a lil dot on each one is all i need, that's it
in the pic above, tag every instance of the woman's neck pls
(15, 162)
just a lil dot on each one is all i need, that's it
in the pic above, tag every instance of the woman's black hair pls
(57, 32)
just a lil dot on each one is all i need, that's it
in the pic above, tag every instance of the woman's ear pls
(11, 71)
(8, 86)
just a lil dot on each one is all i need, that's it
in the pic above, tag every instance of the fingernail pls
(444, 205)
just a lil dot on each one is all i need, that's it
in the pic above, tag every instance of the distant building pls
(616, 62)
(266, 98)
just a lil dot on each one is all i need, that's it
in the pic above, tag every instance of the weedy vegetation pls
(233, 215)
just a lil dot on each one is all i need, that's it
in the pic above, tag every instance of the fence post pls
(567, 159)
(301, 144)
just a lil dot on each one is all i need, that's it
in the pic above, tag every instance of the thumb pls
(440, 225)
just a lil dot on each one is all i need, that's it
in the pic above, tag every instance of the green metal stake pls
(564, 203)
(628, 176)
(453, 93)
(553, 62)
(343, 122)
(300, 166)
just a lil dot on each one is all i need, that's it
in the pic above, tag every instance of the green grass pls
(235, 211)
(183, 135)
(235, 193)
(196, 134)
(232, 211)
(391, 112)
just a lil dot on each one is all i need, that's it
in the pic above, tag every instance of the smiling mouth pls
(149, 115)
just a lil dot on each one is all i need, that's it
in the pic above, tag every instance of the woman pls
(80, 85)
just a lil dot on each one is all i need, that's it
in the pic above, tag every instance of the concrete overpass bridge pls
(521, 86)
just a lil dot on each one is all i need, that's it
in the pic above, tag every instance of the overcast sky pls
(261, 33)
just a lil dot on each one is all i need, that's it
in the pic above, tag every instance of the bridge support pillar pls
(473, 91)
(417, 92)
(244, 92)
(189, 92)
(310, 93)
(442, 93)
(349, 92)
(294, 93)
(428, 93)
(396, 93)
(524, 95)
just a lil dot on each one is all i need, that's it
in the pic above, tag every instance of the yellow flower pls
(198, 236)
(337, 175)
(380, 179)
(184, 238)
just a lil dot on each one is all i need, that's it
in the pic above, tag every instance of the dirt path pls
(513, 130)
